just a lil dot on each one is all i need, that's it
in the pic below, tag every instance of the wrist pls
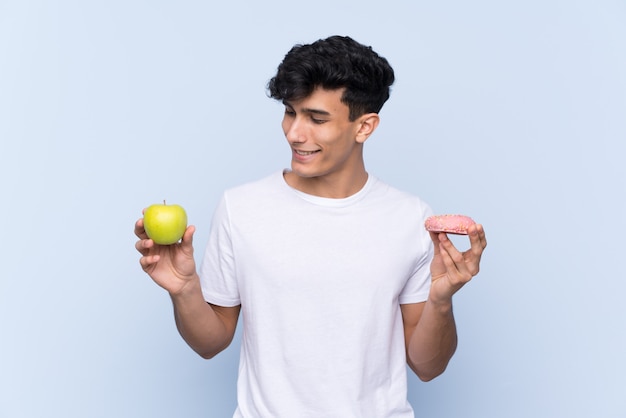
(190, 288)
(441, 304)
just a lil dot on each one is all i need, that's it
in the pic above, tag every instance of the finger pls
(188, 235)
(471, 257)
(434, 236)
(478, 244)
(144, 246)
(457, 269)
(477, 236)
(445, 240)
(148, 261)
(186, 243)
(451, 256)
(140, 231)
(483, 237)
(453, 267)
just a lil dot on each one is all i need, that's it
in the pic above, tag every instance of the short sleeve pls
(218, 275)
(417, 287)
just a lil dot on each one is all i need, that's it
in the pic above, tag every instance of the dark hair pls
(334, 63)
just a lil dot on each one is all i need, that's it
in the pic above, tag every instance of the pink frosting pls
(453, 224)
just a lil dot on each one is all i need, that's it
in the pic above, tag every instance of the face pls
(324, 142)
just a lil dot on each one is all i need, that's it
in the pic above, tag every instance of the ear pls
(367, 125)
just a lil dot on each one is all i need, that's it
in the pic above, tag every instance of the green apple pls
(165, 224)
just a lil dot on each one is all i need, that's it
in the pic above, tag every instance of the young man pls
(338, 283)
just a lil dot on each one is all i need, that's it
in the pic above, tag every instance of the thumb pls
(188, 236)
(434, 236)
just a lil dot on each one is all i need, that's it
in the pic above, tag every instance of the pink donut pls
(452, 224)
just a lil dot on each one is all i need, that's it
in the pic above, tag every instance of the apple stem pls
(163, 201)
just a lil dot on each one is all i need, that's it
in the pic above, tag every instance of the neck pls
(334, 187)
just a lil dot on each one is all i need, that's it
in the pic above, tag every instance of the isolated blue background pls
(513, 112)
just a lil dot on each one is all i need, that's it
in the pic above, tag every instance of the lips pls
(305, 153)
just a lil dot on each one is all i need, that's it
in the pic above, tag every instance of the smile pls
(304, 153)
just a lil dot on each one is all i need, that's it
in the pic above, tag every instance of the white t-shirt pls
(320, 282)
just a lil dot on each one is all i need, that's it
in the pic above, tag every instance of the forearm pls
(433, 341)
(198, 323)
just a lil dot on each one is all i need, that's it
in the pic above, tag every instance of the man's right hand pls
(171, 266)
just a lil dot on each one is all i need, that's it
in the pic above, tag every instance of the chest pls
(300, 253)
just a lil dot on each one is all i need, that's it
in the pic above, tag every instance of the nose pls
(293, 130)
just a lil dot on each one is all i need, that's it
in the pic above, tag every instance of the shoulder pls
(269, 185)
(401, 200)
(264, 183)
(254, 198)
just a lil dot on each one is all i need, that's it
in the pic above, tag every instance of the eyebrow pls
(310, 110)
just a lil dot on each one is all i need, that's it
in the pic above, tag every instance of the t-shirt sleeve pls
(418, 286)
(218, 271)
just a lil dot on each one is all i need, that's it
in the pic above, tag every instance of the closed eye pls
(312, 113)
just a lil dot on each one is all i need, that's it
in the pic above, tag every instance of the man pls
(338, 282)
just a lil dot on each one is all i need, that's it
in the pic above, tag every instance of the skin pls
(327, 161)
(320, 124)
(208, 329)
(429, 327)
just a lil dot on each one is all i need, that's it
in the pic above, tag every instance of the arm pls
(429, 327)
(208, 329)
(430, 335)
